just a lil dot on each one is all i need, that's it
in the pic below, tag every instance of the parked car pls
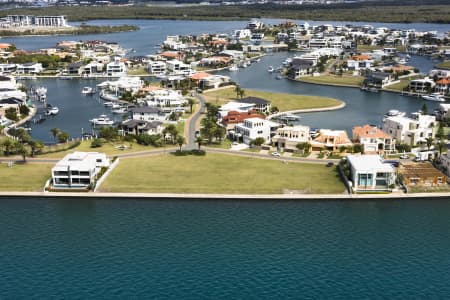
(275, 154)
(329, 164)
(404, 156)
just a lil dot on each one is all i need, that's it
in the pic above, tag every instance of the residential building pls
(253, 128)
(29, 68)
(7, 68)
(378, 79)
(300, 67)
(214, 81)
(423, 85)
(261, 105)
(242, 34)
(132, 126)
(116, 68)
(156, 67)
(369, 173)
(235, 117)
(443, 86)
(373, 139)
(288, 137)
(23, 20)
(165, 98)
(176, 67)
(422, 174)
(235, 106)
(93, 68)
(6, 103)
(331, 140)
(149, 114)
(410, 130)
(78, 169)
(443, 111)
(358, 62)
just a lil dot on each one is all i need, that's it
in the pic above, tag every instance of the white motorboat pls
(87, 90)
(102, 120)
(434, 97)
(119, 110)
(41, 93)
(108, 104)
(271, 69)
(402, 61)
(394, 113)
(233, 68)
(53, 111)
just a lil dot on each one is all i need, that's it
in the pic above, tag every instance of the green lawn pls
(284, 102)
(138, 71)
(219, 173)
(401, 85)
(110, 148)
(444, 64)
(29, 177)
(332, 79)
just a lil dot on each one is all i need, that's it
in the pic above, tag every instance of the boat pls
(53, 111)
(41, 93)
(394, 113)
(119, 110)
(233, 68)
(370, 89)
(108, 104)
(87, 90)
(102, 120)
(279, 77)
(434, 97)
(288, 117)
(402, 61)
(64, 77)
(271, 69)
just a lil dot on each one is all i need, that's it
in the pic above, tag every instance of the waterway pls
(76, 110)
(168, 249)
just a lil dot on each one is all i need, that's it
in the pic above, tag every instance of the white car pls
(404, 156)
(275, 154)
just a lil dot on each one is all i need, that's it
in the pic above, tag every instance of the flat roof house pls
(369, 172)
(78, 169)
(261, 105)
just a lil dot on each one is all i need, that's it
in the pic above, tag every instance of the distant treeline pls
(356, 12)
(82, 29)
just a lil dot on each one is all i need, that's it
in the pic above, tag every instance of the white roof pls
(369, 163)
(80, 160)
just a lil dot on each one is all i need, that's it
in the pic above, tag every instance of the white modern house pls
(253, 128)
(121, 85)
(242, 34)
(7, 68)
(78, 169)
(29, 68)
(149, 114)
(116, 68)
(369, 172)
(165, 98)
(421, 85)
(176, 67)
(410, 130)
(156, 67)
(235, 106)
(288, 137)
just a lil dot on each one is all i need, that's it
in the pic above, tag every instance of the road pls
(190, 138)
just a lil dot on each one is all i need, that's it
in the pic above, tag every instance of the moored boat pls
(53, 111)
(434, 97)
(102, 120)
(87, 90)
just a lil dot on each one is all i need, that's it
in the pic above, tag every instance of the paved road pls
(193, 121)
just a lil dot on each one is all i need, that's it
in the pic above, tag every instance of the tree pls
(24, 110)
(429, 141)
(108, 133)
(259, 141)
(7, 146)
(22, 150)
(63, 137)
(424, 109)
(96, 143)
(199, 141)
(172, 131)
(35, 146)
(358, 148)
(440, 132)
(441, 147)
(55, 131)
(191, 102)
(11, 113)
(238, 90)
(180, 141)
(305, 147)
(274, 109)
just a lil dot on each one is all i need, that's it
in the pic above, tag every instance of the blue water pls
(106, 249)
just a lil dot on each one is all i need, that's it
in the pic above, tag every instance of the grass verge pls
(28, 177)
(334, 80)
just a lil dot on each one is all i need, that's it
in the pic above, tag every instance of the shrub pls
(96, 143)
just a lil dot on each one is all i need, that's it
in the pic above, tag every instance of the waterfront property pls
(220, 174)
(331, 140)
(373, 139)
(369, 173)
(27, 177)
(78, 169)
(410, 130)
(253, 128)
(288, 137)
(421, 174)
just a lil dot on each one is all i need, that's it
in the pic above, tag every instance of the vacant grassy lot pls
(29, 177)
(284, 102)
(110, 148)
(336, 80)
(444, 64)
(401, 85)
(219, 173)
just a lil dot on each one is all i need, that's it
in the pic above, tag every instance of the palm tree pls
(191, 102)
(180, 141)
(238, 90)
(199, 141)
(55, 131)
(241, 93)
(22, 150)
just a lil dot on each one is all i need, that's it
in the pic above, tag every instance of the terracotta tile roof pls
(361, 57)
(399, 68)
(234, 117)
(445, 81)
(332, 137)
(150, 88)
(170, 54)
(199, 75)
(368, 131)
(4, 46)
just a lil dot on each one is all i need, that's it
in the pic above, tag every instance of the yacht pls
(233, 68)
(102, 120)
(402, 61)
(434, 97)
(271, 69)
(119, 110)
(108, 104)
(53, 111)
(87, 90)
(394, 113)
(41, 93)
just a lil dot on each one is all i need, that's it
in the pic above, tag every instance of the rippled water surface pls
(92, 249)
